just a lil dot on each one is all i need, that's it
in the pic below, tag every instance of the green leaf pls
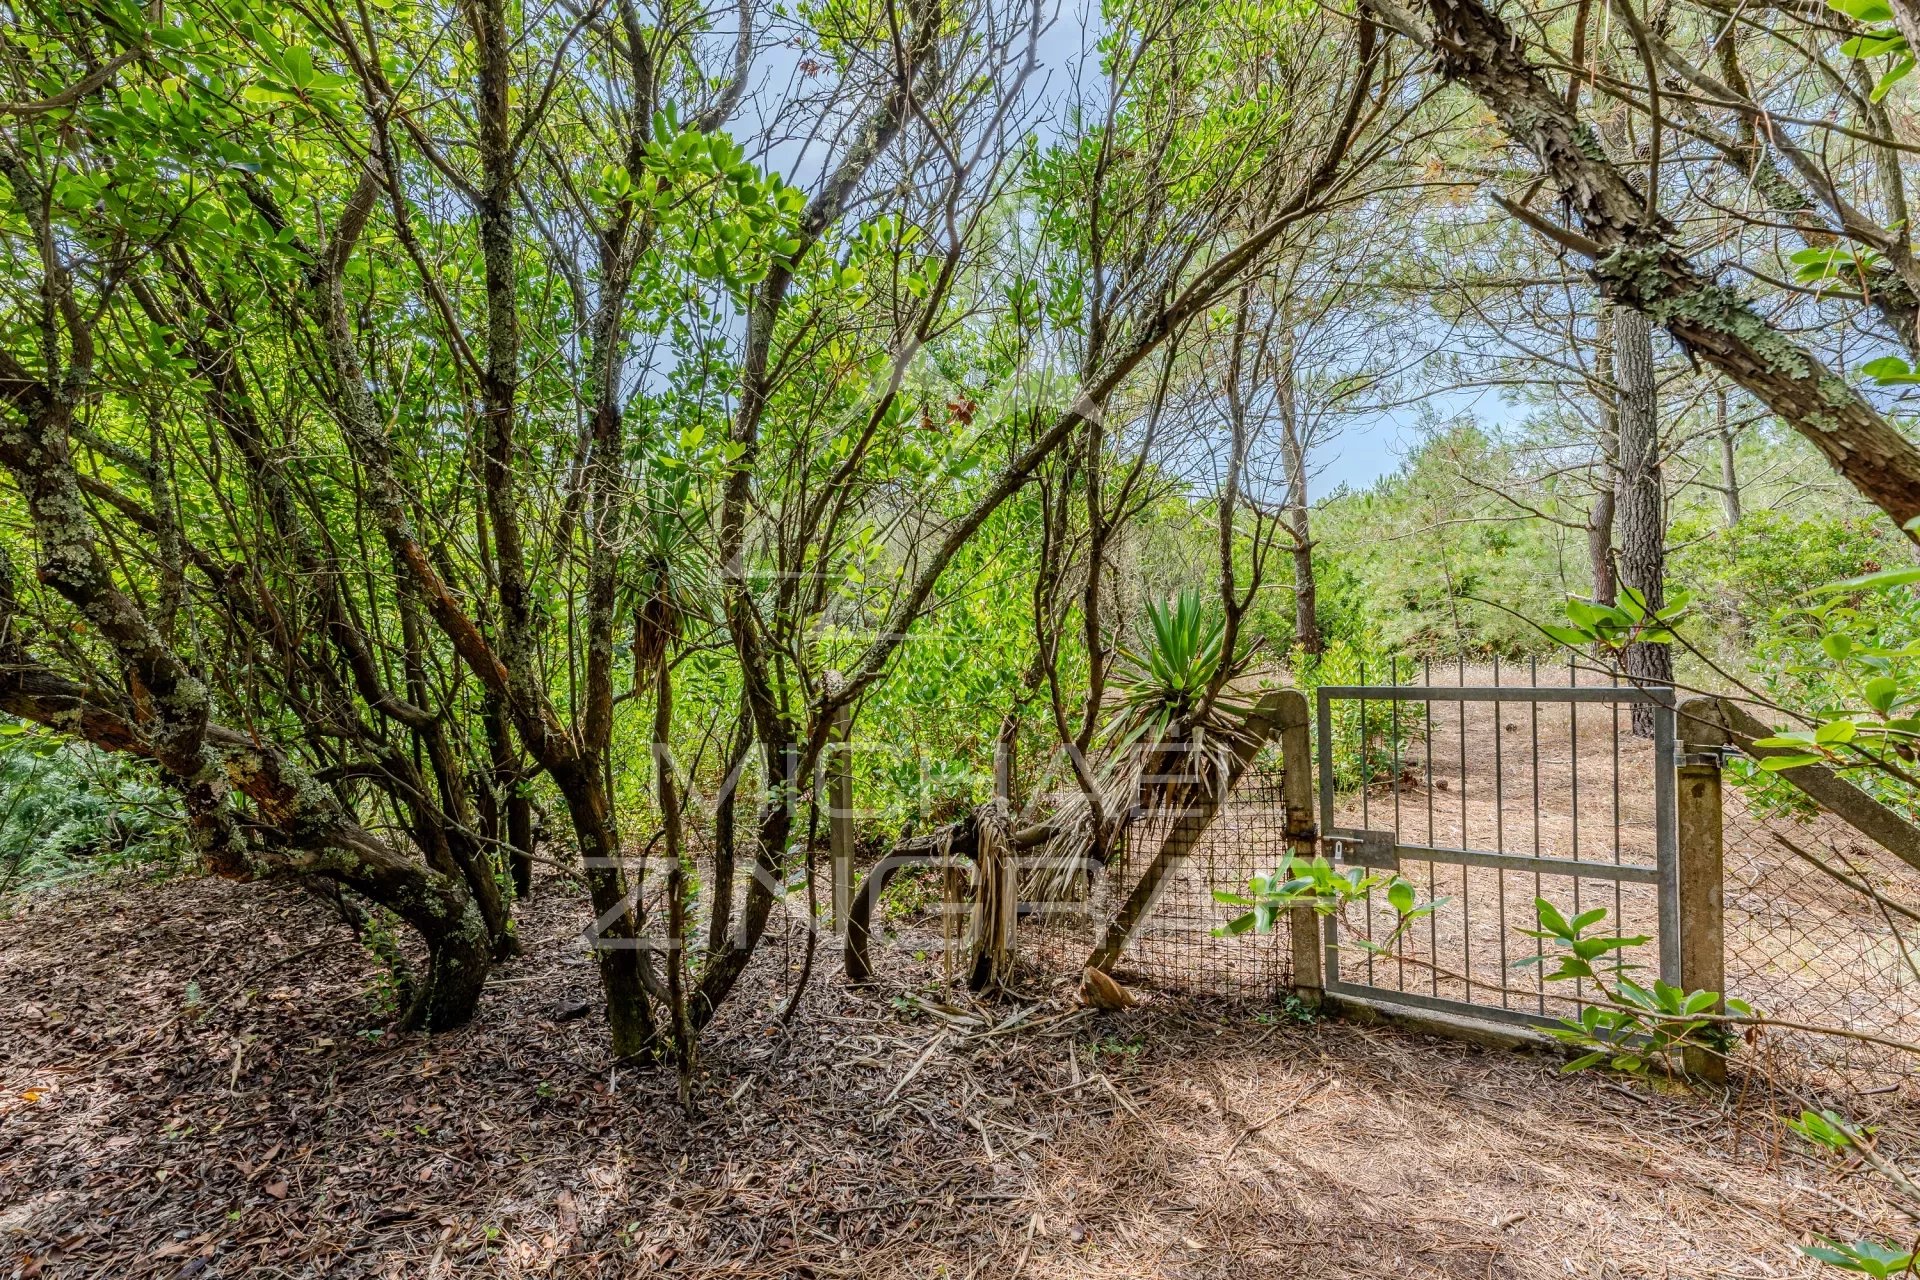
(1900, 70)
(1237, 925)
(1864, 10)
(1880, 693)
(1890, 369)
(1795, 738)
(1836, 731)
(1871, 581)
(1776, 764)
(1587, 614)
(1873, 44)
(1551, 919)
(1867, 1257)
(1567, 635)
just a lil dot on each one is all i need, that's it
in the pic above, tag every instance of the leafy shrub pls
(67, 808)
(1363, 752)
(1744, 579)
(1847, 655)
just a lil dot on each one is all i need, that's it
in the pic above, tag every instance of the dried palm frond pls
(1099, 991)
(996, 898)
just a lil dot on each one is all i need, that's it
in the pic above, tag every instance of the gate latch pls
(1715, 756)
(1360, 848)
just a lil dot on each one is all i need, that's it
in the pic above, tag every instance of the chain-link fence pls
(1820, 926)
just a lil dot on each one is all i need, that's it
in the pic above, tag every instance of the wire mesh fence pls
(1180, 947)
(1822, 926)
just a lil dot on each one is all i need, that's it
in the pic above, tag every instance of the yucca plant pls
(1173, 730)
(1163, 686)
(671, 586)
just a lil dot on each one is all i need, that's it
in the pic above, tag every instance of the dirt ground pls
(193, 1083)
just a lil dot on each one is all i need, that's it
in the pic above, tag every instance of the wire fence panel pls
(1178, 947)
(1820, 928)
(1491, 787)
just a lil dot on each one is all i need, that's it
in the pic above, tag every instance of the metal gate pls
(1480, 796)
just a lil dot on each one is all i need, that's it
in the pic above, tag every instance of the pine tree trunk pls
(1639, 502)
(1729, 473)
(1600, 514)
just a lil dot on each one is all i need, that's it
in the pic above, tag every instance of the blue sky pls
(1368, 451)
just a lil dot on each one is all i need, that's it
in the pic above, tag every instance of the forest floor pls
(193, 1082)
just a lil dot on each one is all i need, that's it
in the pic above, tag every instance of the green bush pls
(1747, 580)
(66, 809)
(1363, 752)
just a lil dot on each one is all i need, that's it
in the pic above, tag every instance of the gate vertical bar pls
(1323, 732)
(1666, 842)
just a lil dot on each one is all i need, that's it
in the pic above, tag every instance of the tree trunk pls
(1729, 473)
(1600, 547)
(512, 819)
(1306, 595)
(520, 835)
(459, 956)
(726, 819)
(1639, 502)
(773, 833)
(1600, 514)
(618, 948)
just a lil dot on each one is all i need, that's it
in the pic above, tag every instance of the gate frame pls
(1664, 874)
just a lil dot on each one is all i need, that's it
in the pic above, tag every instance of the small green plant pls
(1634, 1028)
(1833, 1133)
(1830, 1130)
(1865, 1257)
(1290, 1008)
(1328, 890)
(1113, 1047)
(392, 982)
(1163, 681)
